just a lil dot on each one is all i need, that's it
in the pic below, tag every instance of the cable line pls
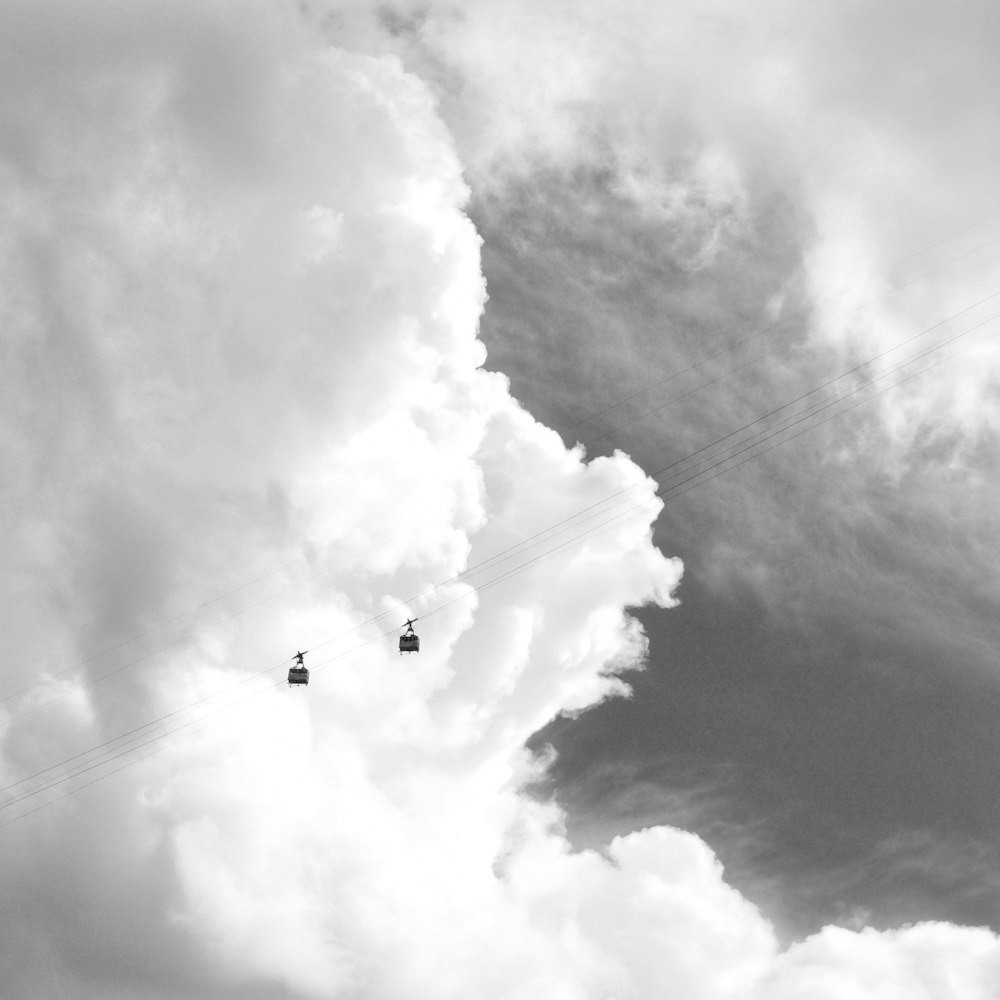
(712, 464)
(235, 614)
(804, 311)
(704, 471)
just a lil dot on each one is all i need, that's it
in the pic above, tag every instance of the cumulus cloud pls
(243, 413)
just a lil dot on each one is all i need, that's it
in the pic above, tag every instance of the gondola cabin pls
(299, 673)
(409, 641)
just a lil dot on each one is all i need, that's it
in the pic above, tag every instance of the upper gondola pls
(409, 641)
(299, 674)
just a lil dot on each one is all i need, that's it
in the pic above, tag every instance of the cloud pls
(698, 113)
(772, 156)
(926, 960)
(242, 377)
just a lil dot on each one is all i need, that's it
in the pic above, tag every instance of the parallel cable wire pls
(857, 390)
(771, 350)
(173, 642)
(711, 463)
(81, 787)
(784, 406)
(836, 413)
(720, 467)
(288, 589)
(121, 738)
(757, 335)
(715, 465)
(857, 368)
(133, 740)
(468, 571)
(704, 466)
(714, 462)
(154, 628)
(798, 313)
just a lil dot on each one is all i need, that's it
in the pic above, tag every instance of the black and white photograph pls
(499, 499)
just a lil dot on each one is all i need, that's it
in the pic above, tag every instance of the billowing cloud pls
(823, 179)
(776, 162)
(243, 413)
(696, 114)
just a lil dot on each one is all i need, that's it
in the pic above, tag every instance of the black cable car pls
(299, 674)
(409, 641)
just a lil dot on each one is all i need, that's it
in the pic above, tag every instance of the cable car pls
(409, 641)
(299, 674)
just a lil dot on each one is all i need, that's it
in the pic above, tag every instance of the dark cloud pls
(827, 682)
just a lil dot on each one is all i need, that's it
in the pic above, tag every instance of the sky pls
(647, 357)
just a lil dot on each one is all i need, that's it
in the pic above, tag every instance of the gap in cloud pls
(825, 683)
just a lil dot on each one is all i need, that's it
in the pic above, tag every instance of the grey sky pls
(822, 706)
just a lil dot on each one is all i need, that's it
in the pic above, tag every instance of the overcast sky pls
(647, 355)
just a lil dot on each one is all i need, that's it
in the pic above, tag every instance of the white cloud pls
(241, 297)
(925, 961)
